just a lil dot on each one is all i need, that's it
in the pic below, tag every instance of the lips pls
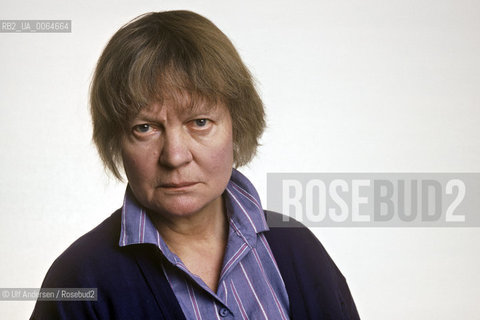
(177, 185)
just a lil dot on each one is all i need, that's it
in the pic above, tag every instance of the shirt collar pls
(243, 209)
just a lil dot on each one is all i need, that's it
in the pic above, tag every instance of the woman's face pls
(178, 159)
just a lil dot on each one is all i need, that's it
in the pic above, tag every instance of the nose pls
(175, 151)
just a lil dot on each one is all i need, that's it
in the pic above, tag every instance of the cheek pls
(222, 157)
(138, 164)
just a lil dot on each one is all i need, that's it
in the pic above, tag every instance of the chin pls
(183, 208)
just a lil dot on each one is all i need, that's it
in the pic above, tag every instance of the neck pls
(208, 226)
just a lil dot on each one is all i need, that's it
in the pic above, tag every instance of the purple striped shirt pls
(250, 285)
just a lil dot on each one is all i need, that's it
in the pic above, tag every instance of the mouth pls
(177, 186)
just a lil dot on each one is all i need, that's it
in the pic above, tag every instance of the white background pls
(349, 86)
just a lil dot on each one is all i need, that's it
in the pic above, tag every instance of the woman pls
(173, 104)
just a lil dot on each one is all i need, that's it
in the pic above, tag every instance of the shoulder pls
(91, 252)
(292, 235)
(289, 238)
(97, 261)
(316, 287)
(81, 265)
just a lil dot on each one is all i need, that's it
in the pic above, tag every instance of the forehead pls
(182, 102)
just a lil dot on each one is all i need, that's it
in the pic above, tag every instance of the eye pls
(201, 122)
(142, 128)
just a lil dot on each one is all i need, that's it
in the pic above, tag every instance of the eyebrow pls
(201, 108)
(144, 117)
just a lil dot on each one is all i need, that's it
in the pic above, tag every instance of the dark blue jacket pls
(131, 285)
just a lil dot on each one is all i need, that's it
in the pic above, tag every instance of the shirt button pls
(223, 312)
